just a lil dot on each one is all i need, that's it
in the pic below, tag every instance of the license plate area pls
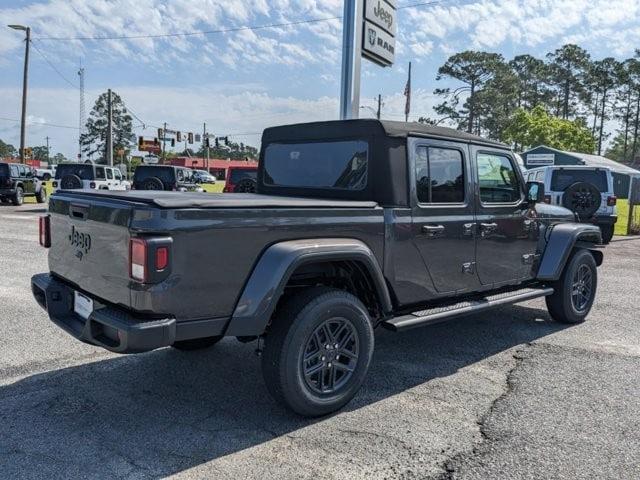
(82, 305)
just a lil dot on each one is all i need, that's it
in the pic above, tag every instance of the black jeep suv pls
(164, 177)
(18, 181)
(356, 224)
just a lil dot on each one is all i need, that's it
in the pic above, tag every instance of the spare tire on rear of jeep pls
(246, 185)
(70, 182)
(583, 198)
(152, 183)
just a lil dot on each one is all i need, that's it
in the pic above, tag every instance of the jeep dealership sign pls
(379, 32)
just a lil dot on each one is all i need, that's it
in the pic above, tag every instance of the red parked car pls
(241, 179)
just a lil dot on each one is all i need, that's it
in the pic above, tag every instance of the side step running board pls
(440, 314)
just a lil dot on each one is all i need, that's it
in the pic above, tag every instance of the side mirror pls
(535, 192)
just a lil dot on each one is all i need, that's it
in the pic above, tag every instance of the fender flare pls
(276, 265)
(561, 241)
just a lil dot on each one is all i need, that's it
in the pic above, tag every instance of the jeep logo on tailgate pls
(80, 240)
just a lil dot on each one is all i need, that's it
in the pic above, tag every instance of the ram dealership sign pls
(379, 32)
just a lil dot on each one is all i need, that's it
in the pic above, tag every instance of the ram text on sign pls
(377, 45)
(540, 159)
(382, 14)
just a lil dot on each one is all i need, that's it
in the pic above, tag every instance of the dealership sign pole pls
(369, 30)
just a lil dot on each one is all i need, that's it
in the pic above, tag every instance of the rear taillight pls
(149, 259)
(92, 185)
(228, 188)
(138, 259)
(612, 200)
(45, 231)
(547, 199)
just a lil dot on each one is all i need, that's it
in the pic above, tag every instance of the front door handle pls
(433, 230)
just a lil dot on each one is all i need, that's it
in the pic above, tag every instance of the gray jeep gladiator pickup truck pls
(355, 224)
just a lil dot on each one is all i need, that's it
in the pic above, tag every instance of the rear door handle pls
(433, 230)
(486, 228)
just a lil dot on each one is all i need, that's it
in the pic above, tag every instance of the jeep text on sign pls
(381, 13)
(377, 45)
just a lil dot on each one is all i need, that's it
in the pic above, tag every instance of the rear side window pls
(238, 174)
(14, 171)
(109, 174)
(100, 175)
(4, 170)
(497, 179)
(334, 165)
(439, 175)
(165, 174)
(563, 179)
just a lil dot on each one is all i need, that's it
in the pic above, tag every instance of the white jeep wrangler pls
(74, 176)
(587, 191)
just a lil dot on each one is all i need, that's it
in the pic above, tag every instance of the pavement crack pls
(449, 465)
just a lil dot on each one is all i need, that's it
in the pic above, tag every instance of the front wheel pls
(41, 196)
(575, 291)
(318, 351)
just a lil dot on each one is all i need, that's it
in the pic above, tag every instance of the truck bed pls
(218, 200)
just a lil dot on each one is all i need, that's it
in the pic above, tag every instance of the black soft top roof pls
(368, 127)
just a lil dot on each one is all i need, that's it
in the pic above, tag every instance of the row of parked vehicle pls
(18, 181)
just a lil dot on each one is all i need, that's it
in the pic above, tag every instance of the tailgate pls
(90, 245)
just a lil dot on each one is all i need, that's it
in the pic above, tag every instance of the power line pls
(222, 30)
(40, 123)
(53, 66)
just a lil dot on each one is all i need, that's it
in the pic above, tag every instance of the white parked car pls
(74, 176)
(46, 174)
(587, 191)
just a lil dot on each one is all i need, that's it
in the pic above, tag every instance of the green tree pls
(39, 153)
(59, 158)
(533, 75)
(94, 141)
(568, 66)
(536, 127)
(234, 151)
(7, 150)
(473, 70)
(604, 77)
(619, 150)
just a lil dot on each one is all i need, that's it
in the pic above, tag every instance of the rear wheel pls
(318, 351)
(607, 233)
(152, 183)
(46, 177)
(18, 198)
(197, 343)
(246, 185)
(575, 291)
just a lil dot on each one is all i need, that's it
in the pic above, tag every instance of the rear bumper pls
(115, 329)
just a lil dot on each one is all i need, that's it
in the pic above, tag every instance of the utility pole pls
(205, 143)
(109, 129)
(81, 118)
(23, 120)
(48, 154)
(164, 142)
(379, 106)
(351, 58)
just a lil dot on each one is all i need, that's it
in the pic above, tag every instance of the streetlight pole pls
(23, 120)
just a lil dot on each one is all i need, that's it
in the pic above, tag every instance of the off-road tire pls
(196, 343)
(71, 182)
(560, 304)
(607, 233)
(293, 327)
(46, 177)
(582, 198)
(246, 185)
(152, 183)
(18, 197)
(41, 196)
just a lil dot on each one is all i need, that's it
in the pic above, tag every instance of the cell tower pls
(82, 112)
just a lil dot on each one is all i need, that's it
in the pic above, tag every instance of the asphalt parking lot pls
(508, 394)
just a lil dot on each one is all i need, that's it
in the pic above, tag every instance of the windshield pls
(238, 174)
(563, 179)
(82, 170)
(338, 165)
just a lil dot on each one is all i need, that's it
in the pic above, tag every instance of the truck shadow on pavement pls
(156, 414)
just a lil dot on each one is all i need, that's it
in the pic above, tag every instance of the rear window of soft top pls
(165, 174)
(4, 170)
(82, 170)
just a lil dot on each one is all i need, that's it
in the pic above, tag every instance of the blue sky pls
(240, 82)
